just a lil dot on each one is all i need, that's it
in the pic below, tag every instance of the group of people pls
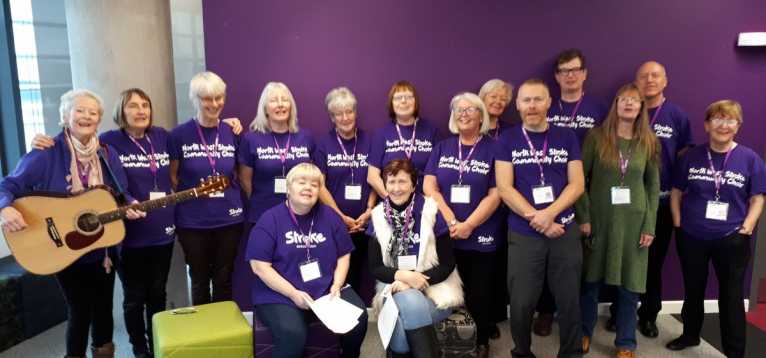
(576, 197)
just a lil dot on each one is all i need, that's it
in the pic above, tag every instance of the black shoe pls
(648, 329)
(681, 343)
(494, 332)
(392, 354)
(422, 342)
(611, 325)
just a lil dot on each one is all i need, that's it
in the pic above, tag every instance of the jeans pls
(144, 274)
(625, 319)
(210, 255)
(88, 291)
(415, 311)
(289, 327)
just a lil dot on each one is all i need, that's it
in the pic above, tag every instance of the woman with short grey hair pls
(496, 95)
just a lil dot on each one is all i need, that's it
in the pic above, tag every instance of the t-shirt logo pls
(271, 153)
(663, 131)
(235, 212)
(196, 150)
(170, 230)
(473, 166)
(300, 241)
(340, 160)
(422, 146)
(580, 121)
(735, 179)
(524, 156)
(135, 160)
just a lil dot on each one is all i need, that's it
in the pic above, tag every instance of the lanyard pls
(306, 239)
(411, 147)
(718, 175)
(407, 214)
(538, 158)
(282, 152)
(461, 163)
(496, 135)
(656, 113)
(624, 161)
(576, 107)
(153, 167)
(215, 145)
(83, 171)
(345, 153)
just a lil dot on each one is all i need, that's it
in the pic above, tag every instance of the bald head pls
(651, 80)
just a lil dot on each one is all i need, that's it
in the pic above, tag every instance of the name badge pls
(217, 194)
(280, 185)
(353, 192)
(620, 195)
(460, 194)
(156, 195)
(407, 262)
(542, 194)
(310, 270)
(717, 210)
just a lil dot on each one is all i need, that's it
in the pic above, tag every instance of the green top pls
(615, 256)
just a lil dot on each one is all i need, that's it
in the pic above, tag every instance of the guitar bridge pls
(53, 233)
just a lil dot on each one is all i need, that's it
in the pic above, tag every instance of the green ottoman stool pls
(209, 331)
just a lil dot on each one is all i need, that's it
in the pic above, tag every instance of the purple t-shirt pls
(338, 168)
(158, 227)
(277, 240)
(563, 147)
(501, 128)
(186, 146)
(413, 247)
(386, 146)
(743, 176)
(259, 152)
(590, 113)
(672, 129)
(479, 173)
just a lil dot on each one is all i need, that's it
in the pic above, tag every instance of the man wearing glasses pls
(580, 112)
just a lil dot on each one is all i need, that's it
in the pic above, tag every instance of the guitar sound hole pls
(88, 222)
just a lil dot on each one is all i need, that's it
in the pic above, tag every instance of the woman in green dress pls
(618, 212)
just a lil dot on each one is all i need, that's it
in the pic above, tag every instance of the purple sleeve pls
(119, 173)
(492, 182)
(680, 177)
(319, 157)
(433, 160)
(377, 150)
(174, 145)
(685, 137)
(370, 229)
(311, 144)
(501, 147)
(30, 170)
(574, 146)
(440, 226)
(758, 176)
(244, 156)
(340, 234)
(261, 244)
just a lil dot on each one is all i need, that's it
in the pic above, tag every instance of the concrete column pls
(118, 44)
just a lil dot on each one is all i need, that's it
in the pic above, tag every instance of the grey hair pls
(205, 84)
(261, 121)
(305, 170)
(474, 100)
(68, 98)
(339, 97)
(494, 84)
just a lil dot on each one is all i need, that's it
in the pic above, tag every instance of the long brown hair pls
(642, 134)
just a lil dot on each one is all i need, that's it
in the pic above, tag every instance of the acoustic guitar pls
(62, 229)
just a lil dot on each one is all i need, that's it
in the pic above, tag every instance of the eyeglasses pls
(570, 71)
(628, 100)
(339, 114)
(468, 110)
(728, 122)
(403, 97)
(529, 100)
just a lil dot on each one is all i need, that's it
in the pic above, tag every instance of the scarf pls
(84, 165)
(400, 219)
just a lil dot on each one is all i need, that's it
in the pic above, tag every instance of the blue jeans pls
(289, 327)
(625, 319)
(415, 311)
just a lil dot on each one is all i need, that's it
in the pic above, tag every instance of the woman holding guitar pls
(71, 166)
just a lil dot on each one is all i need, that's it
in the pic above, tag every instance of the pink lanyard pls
(461, 164)
(282, 152)
(576, 107)
(656, 114)
(209, 154)
(407, 213)
(411, 147)
(153, 167)
(83, 171)
(538, 158)
(624, 161)
(718, 175)
(497, 130)
(345, 153)
(306, 239)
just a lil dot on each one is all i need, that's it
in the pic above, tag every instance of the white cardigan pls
(445, 294)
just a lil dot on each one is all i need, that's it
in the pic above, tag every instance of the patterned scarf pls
(397, 218)
(84, 163)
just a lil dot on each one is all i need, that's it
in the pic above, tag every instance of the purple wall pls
(444, 47)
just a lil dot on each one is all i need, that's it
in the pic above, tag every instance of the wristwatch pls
(452, 222)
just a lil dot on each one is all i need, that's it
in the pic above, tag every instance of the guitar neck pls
(148, 205)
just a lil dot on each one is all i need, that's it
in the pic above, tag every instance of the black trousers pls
(476, 271)
(357, 273)
(651, 300)
(500, 286)
(88, 291)
(730, 256)
(531, 259)
(210, 255)
(144, 275)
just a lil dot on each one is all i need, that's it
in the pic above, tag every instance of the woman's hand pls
(413, 279)
(12, 220)
(42, 141)
(461, 230)
(349, 221)
(399, 286)
(362, 220)
(301, 299)
(235, 124)
(133, 214)
(540, 220)
(335, 290)
(645, 240)
(585, 229)
(745, 230)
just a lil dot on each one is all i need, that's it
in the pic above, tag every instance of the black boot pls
(392, 354)
(422, 342)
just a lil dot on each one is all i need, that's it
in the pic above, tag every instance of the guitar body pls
(62, 229)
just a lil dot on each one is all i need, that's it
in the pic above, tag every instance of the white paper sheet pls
(387, 317)
(337, 314)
